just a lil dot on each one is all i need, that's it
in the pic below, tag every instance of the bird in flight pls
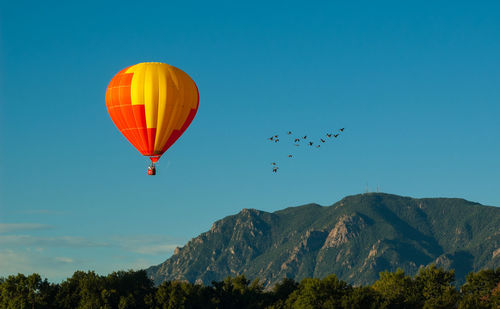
(297, 139)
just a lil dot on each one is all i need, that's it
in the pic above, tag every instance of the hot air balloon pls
(152, 104)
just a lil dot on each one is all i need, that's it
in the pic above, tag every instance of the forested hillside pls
(355, 238)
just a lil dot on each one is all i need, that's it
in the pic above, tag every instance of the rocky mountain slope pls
(355, 238)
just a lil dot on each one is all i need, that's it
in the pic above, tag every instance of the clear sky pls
(416, 85)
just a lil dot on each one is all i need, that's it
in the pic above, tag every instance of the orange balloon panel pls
(152, 104)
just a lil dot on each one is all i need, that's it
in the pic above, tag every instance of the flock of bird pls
(298, 141)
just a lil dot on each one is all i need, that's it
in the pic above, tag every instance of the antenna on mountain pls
(366, 190)
(378, 189)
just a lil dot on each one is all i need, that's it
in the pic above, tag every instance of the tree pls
(127, 302)
(363, 297)
(435, 287)
(398, 290)
(90, 287)
(131, 285)
(110, 298)
(315, 293)
(430, 288)
(13, 293)
(238, 292)
(281, 291)
(480, 290)
(177, 294)
(68, 295)
(25, 292)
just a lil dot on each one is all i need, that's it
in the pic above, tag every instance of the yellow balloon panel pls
(163, 101)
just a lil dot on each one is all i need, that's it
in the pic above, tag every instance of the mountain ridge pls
(355, 238)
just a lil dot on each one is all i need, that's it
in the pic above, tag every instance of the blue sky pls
(416, 85)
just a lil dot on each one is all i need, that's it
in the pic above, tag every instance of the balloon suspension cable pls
(154, 159)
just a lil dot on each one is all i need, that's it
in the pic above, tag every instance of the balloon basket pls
(152, 170)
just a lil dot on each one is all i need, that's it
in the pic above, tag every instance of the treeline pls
(431, 288)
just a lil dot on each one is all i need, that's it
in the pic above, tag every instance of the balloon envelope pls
(152, 104)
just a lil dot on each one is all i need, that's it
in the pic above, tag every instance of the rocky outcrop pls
(346, 228)
(355, 238)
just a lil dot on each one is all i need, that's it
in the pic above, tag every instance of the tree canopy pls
(432, 287)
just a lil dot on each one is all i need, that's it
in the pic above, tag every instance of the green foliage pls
(283, 289)
(481, 290)
(25, 292)
(398, 290)
(238, 292)
(319, 293)
(430, 288)
(363, 297)
(356, 238)
(178, 295)
(123, 289)
(435, 287)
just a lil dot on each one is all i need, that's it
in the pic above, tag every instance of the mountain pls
(355, 238)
